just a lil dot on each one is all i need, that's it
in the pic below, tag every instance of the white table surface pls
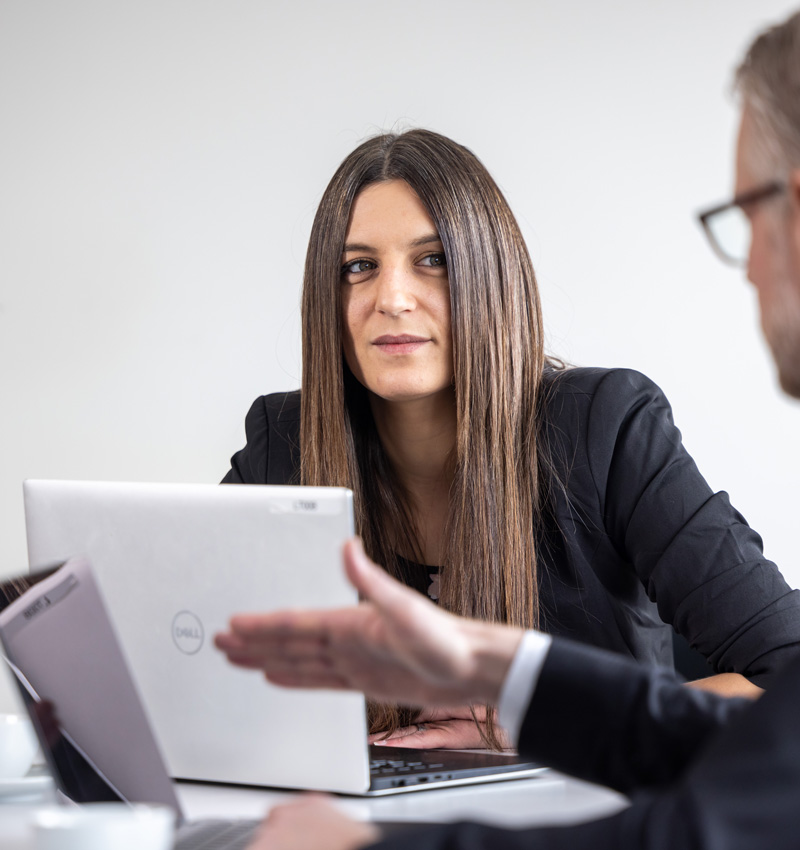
(548, 799)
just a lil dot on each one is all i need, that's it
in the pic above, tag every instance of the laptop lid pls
(173, 562)
(75, 684)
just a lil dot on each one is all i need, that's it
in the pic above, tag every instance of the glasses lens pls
(729, 232)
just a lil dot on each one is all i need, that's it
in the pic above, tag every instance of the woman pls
(484, 474)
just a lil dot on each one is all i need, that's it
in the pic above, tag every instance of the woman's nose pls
(395, 290)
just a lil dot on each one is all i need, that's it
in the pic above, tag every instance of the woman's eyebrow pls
(423, 240)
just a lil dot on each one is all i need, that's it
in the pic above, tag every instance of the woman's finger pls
(458, 712)
(450, 734)
(397, 735)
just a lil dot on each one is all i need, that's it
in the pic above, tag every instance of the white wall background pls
(161, 160)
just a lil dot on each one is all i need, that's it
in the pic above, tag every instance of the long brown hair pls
(488, 568)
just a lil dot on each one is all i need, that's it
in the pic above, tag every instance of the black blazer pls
(712, 774)
(634, 539)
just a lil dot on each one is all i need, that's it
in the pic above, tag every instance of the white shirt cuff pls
(520, 682)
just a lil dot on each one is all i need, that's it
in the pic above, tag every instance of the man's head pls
(768, 152)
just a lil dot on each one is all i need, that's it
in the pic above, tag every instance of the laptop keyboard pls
(215, 835)
(390, 767)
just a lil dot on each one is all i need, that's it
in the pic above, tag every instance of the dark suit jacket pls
(712, 774)
(635, 537)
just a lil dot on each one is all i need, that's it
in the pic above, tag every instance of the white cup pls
(18, 745)
(104, 826)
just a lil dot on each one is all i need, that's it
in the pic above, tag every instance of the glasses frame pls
(742, 200)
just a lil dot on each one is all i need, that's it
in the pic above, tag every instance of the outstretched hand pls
(394, 646)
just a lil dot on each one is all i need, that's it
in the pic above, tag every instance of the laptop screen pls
(73, 678)
(72, 772)
(74, 775)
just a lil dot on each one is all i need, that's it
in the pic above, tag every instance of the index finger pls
(280, 624)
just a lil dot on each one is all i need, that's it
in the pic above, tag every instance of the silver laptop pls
(174, 562)
(57, 639)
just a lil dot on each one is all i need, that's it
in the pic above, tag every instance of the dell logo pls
(187, 632)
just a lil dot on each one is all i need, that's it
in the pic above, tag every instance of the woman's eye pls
(358, 266)
(437, 260)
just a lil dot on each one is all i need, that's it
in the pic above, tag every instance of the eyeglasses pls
(727, 226)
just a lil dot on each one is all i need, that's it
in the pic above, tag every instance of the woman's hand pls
(443, 728)
(312, 823)
(395, 646)
(727, 685)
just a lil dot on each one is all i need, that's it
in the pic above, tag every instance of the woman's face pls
(396, 296)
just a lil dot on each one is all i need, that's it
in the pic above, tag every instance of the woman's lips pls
(403, 344)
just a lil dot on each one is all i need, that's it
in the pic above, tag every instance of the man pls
(693, 783)
(768, 193)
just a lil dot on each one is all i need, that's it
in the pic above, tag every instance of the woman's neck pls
(419, 439)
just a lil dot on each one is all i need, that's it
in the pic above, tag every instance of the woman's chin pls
(411, 394)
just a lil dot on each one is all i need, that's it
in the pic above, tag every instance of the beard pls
(778, 288)
(781, 325)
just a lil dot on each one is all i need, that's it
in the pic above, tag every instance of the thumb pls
(371, 581)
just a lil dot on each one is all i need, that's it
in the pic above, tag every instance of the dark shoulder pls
(282, 407)
(271, 454)
(585, 411)
(279, 415)
(274, 411)
(588, 381)
(601, 394)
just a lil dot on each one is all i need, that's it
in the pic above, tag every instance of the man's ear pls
(793, 187)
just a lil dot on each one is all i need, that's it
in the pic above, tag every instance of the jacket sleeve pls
(740, 792)
(607, 834)
(612, 721)
(696, 556)
(743, 791)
